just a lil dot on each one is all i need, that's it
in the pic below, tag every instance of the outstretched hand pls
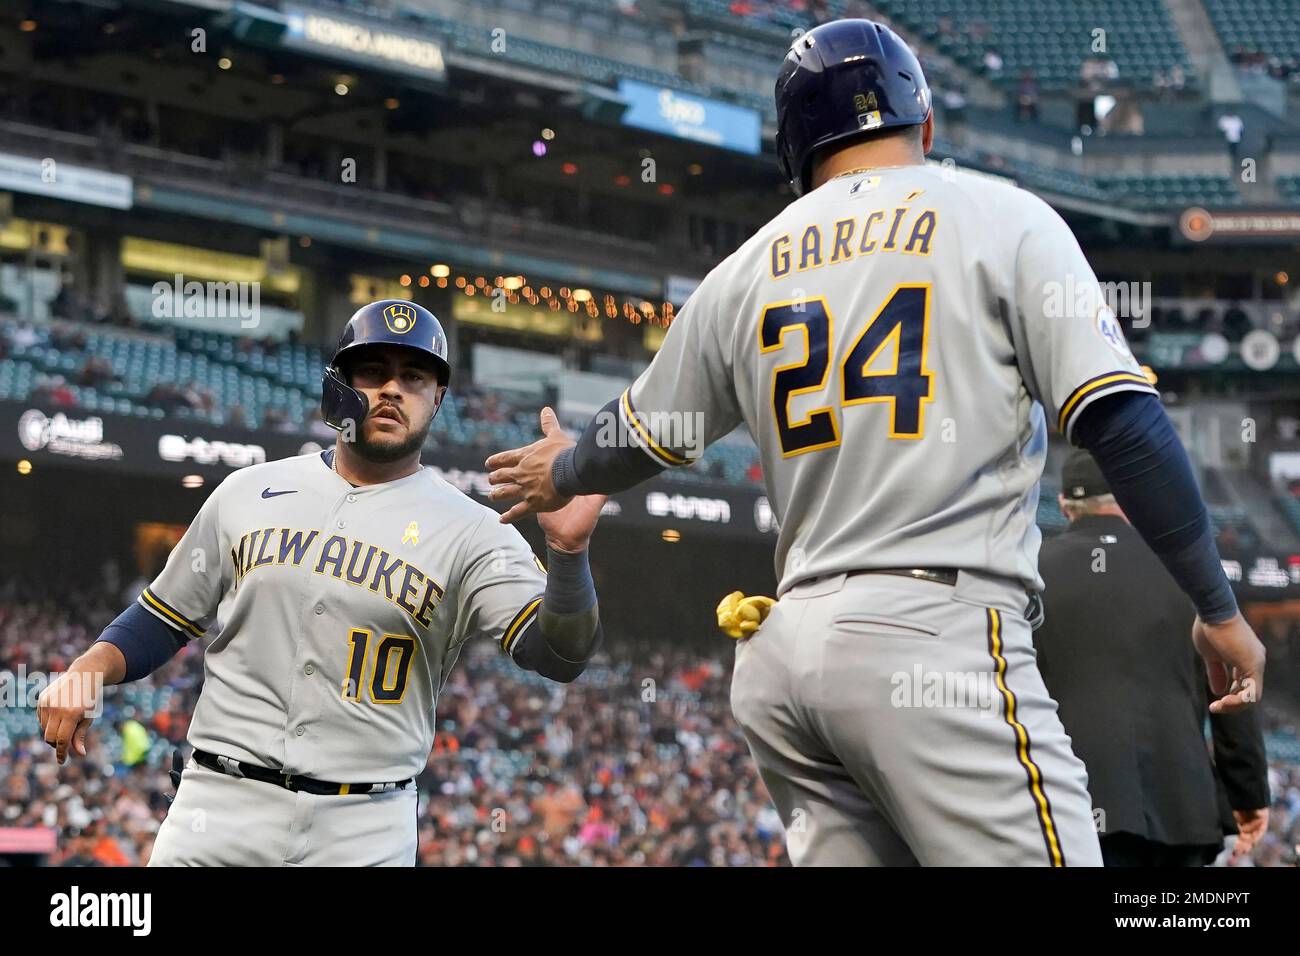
(523, 475)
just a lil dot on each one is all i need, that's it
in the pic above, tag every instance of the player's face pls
(403, 393)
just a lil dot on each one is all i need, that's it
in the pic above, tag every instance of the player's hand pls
(570, 528)
(65, 710)
(1251, 825)
(523, 475)
(1234, 660)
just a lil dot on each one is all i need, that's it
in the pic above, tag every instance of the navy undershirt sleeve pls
(145, 641)
(1137, 449)
(591, 468)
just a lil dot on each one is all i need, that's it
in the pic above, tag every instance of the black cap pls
(1081, 478)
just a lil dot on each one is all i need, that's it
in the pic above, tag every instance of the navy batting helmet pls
(386, 322)
(842, 80)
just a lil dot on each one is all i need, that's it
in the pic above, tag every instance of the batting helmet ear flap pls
(442, 397)
(340, 402)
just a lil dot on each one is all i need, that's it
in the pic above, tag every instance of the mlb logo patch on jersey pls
(864, 185)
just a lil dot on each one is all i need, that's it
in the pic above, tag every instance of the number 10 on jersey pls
(900, 328)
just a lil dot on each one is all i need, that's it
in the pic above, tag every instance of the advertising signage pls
(674, 113)
(142, 447)
(334, 35)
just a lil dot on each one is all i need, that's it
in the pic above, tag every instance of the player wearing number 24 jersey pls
(898, 341)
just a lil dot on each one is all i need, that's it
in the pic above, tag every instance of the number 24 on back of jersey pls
(900, 329)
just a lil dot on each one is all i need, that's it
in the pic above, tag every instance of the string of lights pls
(519, 289)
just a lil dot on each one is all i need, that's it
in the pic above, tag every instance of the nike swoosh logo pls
(268, 493)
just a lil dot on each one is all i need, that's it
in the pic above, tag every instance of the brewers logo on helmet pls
(400, 317)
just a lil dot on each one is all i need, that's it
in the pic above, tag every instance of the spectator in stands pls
(236, 416)
(1027, 98)
(168, 397)
(278, 420)
(53, 390)
(68, 338)
(199, 397)
(1232, 126)
(96, 371)
(993, 63)
(22, 336)
(954, 105)
(135, 741)
(80, 851)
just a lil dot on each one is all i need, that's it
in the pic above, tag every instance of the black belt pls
(948, 576)
(294, 782)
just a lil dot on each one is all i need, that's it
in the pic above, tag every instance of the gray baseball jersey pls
(892, 340)
(338, 613)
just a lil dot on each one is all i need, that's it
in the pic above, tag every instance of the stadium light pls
(439, 270)
(548, 134)
(224, 63)
(24, 467)
(671, 535)
(341, 89)
(192, 481)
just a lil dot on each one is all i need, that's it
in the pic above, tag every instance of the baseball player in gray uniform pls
(335, 591)
(897, 341)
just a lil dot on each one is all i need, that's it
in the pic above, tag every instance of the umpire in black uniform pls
(1116, 653)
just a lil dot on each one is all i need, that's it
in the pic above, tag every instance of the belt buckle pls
(289, 784)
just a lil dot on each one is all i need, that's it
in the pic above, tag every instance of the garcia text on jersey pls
(901, 229)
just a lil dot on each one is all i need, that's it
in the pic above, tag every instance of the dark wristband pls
(564, 476)
(146, 643)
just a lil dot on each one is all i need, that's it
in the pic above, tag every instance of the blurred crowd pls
(1266, 64)
(638, 762)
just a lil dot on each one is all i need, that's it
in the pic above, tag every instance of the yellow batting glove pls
(740, 616)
